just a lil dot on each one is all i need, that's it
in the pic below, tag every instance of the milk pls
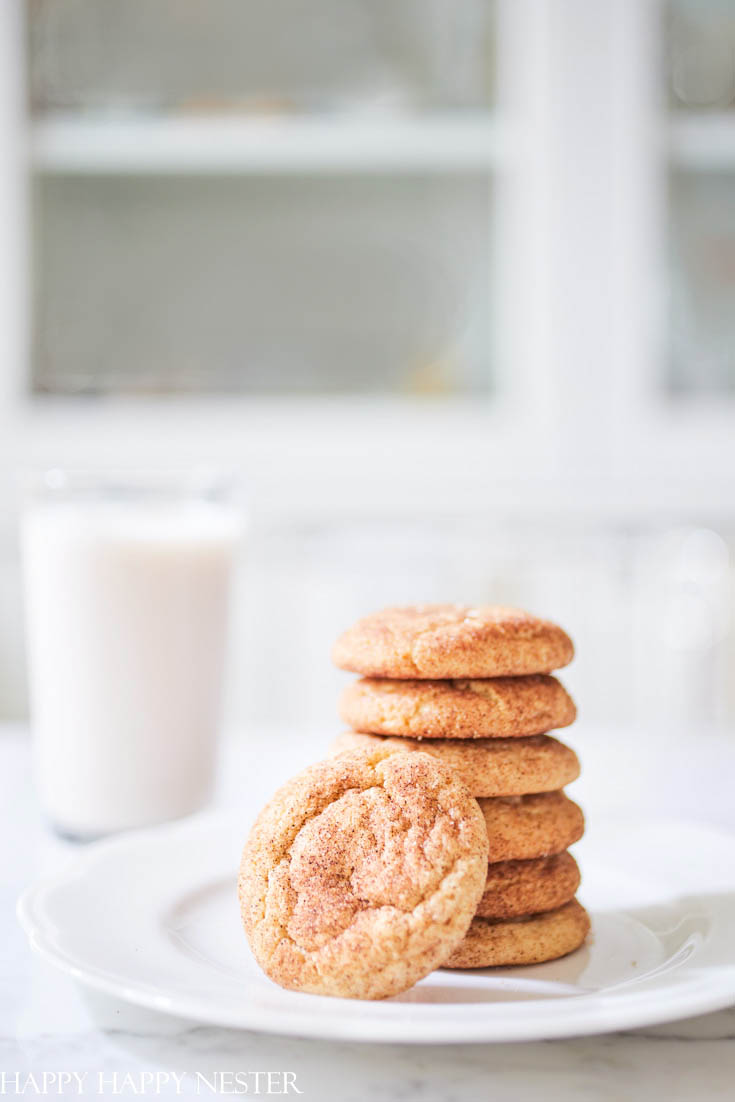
(126, 620)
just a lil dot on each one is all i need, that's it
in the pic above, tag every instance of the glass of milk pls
(127, 586)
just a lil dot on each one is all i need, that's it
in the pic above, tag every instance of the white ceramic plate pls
(152, 918)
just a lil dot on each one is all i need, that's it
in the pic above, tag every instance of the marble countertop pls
(49, 1025)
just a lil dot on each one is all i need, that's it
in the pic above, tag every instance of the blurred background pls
(450, 282)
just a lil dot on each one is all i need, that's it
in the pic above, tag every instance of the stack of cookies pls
(471, 687)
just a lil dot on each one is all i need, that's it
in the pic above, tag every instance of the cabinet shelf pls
(441, 144)
(703, 141)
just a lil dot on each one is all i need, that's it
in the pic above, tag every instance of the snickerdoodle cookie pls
(460, 708)
(443, 641)
(362, 874)
(515, 888)
(531, 940)
(491, 766)
(523, 827)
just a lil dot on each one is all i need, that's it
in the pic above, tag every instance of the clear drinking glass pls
(127, 584)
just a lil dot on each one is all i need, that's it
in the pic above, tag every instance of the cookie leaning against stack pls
(471, 687)
(362, 874)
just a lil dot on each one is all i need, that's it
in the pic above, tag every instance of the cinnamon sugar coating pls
(491, 943)
(452, 641)
(515, 888)
(489, 767)
(363, 874)
(504, 707)
(536, 825)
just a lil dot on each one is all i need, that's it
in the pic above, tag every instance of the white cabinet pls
(305, 239)
(364, 248)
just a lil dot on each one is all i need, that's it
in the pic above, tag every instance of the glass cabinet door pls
(700, 94)
(299, 278)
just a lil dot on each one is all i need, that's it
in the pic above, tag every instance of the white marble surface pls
(48, 1024)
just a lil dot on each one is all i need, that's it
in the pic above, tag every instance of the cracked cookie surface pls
(489, 767)
(500, 707)
(447, 641)
(363, 874)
